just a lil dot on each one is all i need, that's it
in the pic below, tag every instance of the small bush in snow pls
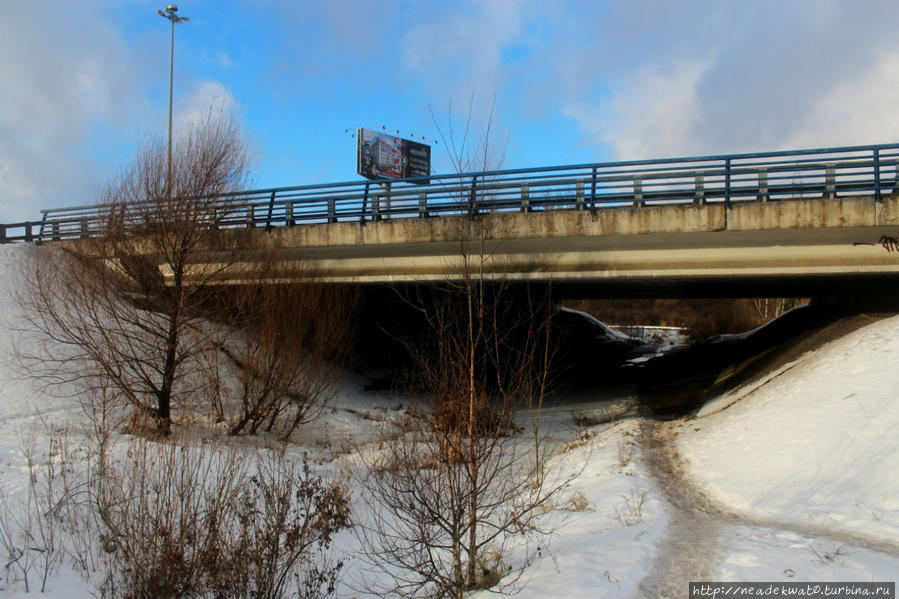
(183, 521)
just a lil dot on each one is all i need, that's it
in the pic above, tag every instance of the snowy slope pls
(17, 395)
(816, 444)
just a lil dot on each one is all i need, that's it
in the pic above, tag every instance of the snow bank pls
(816, 444)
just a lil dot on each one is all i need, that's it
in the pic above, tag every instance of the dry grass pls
(577, 502)
(630, 512)
(584, 438)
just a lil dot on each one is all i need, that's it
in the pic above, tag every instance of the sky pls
(84, 84)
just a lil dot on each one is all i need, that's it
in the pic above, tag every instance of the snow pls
(605, 330)
(814, 445)
(798, 472)
(605, 549)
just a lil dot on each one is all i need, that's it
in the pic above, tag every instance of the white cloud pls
(224, 60)
(193, 109)
(63, 67)
(708, 77)
(652, 116)
(460, 52)
(862, 109)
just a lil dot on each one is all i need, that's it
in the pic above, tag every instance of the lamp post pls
(171, 14)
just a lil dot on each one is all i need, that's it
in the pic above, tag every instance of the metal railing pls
(866, 171)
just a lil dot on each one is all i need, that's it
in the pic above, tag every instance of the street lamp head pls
(170, 14)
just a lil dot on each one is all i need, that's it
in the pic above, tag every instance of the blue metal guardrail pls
(866, 171)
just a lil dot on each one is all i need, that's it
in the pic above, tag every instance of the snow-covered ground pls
(814, 450)
(795, 481)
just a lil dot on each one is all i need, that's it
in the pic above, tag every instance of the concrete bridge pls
(802, 223)
(788, 247)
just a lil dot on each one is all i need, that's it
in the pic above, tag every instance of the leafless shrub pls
(423, 529)
(287, 517)
(204, 521)
(577, 502)
(285, 346)
(583, 439)
(630, 513)
(16, 535)
(31, 526)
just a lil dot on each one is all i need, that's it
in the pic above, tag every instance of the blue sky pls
(82, 84)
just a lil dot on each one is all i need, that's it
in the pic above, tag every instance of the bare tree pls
(455, 487)
(122, 311)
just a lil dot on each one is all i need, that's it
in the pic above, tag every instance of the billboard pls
(380, 155)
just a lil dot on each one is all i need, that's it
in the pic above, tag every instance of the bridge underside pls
(797, 248)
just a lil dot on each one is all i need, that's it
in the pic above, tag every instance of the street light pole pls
(171, 14)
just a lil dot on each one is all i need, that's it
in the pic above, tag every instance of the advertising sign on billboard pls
(380, 155)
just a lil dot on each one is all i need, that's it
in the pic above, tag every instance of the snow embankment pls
(815, 445)
(17, 395)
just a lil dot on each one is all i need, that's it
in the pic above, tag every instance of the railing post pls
(830, 182)
(55, 228)
(763, 185)
(376, 206)
(268, 217)
(472, 209)
(593, 191)
(288, 209)
(525, 198)
(332, 210)
(699, 190)
(364, 205)
(2, 233)
(422, 205)
(387, 202)
(580, 194)
(638, 193)
(877, 197)
(251, 216)
(727, 182)
(28, 234)
(85, 230)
